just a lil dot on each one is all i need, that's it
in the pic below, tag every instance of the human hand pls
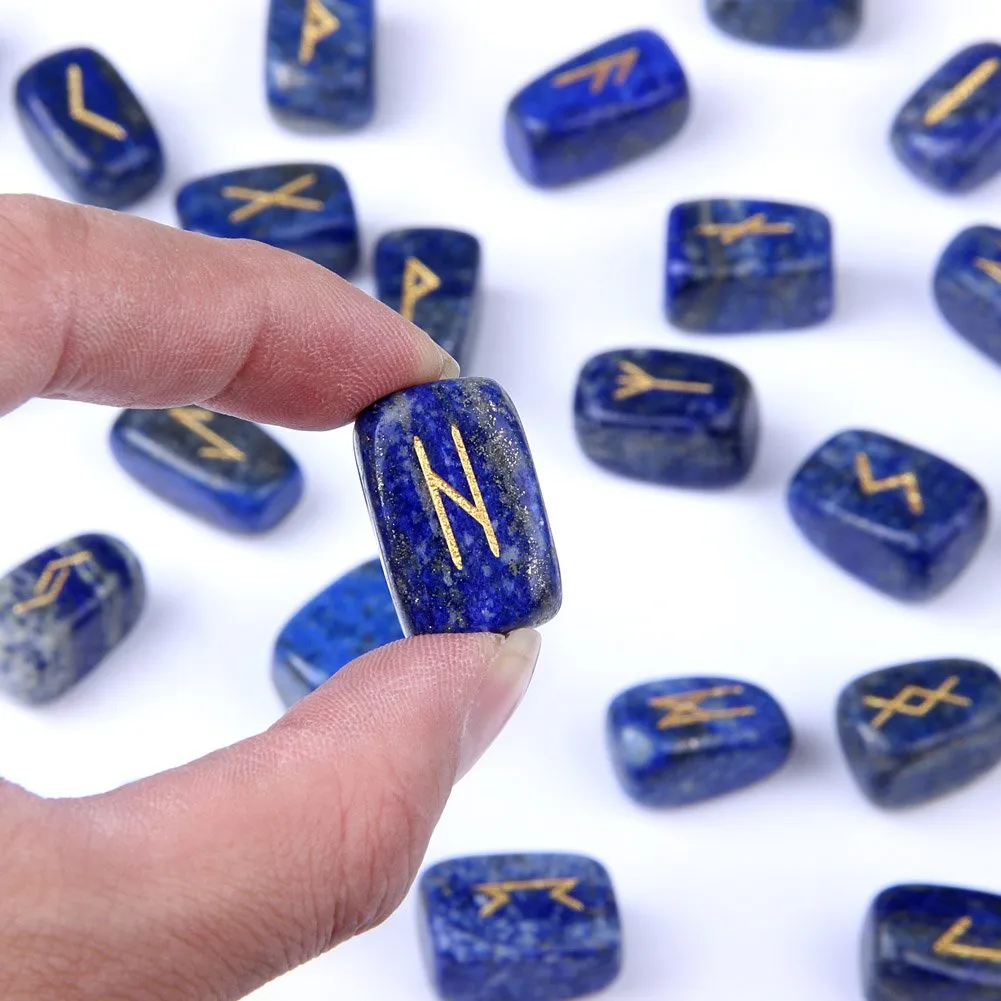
(207, 881)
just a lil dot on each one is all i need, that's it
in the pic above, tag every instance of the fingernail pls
(502, 689)
(449, 366)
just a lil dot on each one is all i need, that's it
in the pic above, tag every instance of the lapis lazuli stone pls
(902, 520)
(968, 287)
(305, 208)
(596, 111)
(791, 24)
(537, 927)
(735, 266)
(949, 132)
(352, 616)
(457, 507)
(320, 64)
(667, 417)
(226, 470)
(683, 740)
(89, 129)
(913, 732)
(430, 276)
(932, 943)
(63, 611)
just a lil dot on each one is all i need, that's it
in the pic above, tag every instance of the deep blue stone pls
(309, 211)
(89, 129)
(452, 571)
(596, 111)
(683, 740)
(913, 732)
(968, 287)
(223, 469)
(667, 417)
(534, 927)
(932, 943)
(792, 24)
(320, 64)
(908, 528)
(443, 302)
(949, 132)
(735, 266)
(352, 616)
(63, 611)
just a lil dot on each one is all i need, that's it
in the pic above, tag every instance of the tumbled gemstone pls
(792, 24)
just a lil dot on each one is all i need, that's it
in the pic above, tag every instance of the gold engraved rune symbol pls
(990, 268)
(195, 419)
(78, 110)
(634, 381)
(600, 71)
(685, 708)
(285, 197)
(317, 24)
(962, 92)
(500, 893)
(476, 509)
(948, 944)
(53, 579)
(907, 482)
(755, 225)
(418, 281)
(901, 702)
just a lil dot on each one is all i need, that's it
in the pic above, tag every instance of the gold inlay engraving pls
(755, 225)
(317, 24)
(51, 582)
(285, 197)
(962, 92)
(621, 64)
(948, 944)
(500, 893)
(476, 509)
(78, 109)
(418, 281)
(196, 420)
(907, 482)
(990, 268)
(685, 708)
(901, 702)
(634, 381)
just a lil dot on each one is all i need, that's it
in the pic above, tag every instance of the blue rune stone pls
(682, 419)
(456, 504)
(352, 616)
(302, 207)
(932, 943)
(320, 66)
(430, 276)
(913, 732)
(596, 111)
(968, 287)
(949, 132)
(901, 519)
(791, 24)
(89, 129)
(223, 469)
(736, 266)
(684, 740)
(533, 927)
(63, 611)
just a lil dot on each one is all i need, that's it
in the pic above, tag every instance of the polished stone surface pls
(899, 518)
(598, 110)
(320, 63)
(667, 417)
(63, 611)
(89, 129)
(735, 265)
(456, 504)
(536, 927)
(683, 740)
(792, 24)
(305, 208)
(349, 618)
(226, 470)
(949, 131)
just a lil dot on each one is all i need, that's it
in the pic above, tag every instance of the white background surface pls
(757, 895)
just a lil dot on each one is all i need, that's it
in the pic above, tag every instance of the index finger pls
(109, 308)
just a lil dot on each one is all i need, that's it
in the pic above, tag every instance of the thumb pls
(212, 879)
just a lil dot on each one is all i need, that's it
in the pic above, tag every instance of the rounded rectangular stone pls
(967, 287)
(791, 24)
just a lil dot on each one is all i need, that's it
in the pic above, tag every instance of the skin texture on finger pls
(108, 308)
